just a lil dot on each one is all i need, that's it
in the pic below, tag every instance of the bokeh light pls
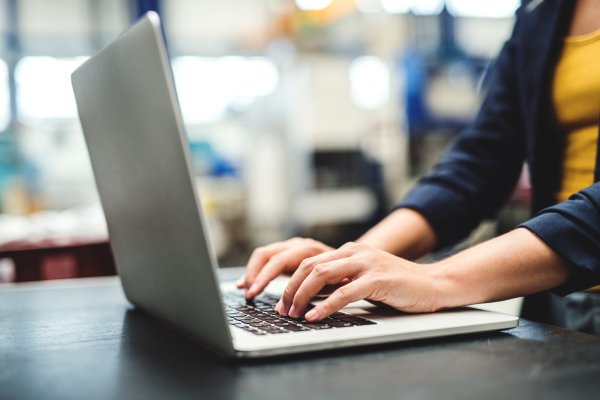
(209, 87)
(369, 82)
(4, 96)
(313, 5)
(483, 8)
(44, 89)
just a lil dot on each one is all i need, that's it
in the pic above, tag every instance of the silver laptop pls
(141, 161)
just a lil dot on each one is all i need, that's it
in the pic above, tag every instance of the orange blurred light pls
(336, 10)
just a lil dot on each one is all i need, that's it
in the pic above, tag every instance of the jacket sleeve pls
(477, 174)
(572, 229)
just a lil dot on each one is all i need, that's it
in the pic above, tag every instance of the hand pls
(372, 274)
(268, 262)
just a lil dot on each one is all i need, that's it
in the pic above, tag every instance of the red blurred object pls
(38, 262)
(522, 192)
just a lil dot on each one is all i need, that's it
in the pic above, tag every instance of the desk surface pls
(82, 340)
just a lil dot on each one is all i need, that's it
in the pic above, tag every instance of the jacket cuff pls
(571, 241)
(443, 209)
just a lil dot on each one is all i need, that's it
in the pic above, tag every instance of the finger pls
(354, 291)
(329, 289)
(259, 258)
(240, 282)
(327, 273)
(302, 272)
(280, 262)
(381, 304)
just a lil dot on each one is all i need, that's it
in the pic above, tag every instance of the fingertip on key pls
(311, 315)
(250, 293)
(282, 310)
(292, 312)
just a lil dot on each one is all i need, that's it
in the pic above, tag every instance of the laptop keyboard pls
(258, 316)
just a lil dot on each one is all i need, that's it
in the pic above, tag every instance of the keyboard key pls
(275, 332)
(296, 328)
(258, 324)
(234, 314)
(358, 321)
(266, 308)
(321, 322)
(292, 319)
(340, 316)
(280, 322)
(364, 322)
(268, 320)
(312, 325)
(269, 299)
(328, 321)
(268, 317)
(340, 324)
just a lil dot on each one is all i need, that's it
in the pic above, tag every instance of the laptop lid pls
(140, 156)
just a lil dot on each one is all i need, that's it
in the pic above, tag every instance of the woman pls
(542, 107)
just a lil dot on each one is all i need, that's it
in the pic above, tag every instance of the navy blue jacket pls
(477, 174)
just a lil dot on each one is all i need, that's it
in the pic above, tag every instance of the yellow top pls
(576, 99)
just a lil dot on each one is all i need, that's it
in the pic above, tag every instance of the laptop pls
(159, 235)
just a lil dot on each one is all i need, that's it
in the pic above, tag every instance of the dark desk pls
(84, 341)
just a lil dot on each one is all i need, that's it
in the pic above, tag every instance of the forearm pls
(404, 233)
(512, 265)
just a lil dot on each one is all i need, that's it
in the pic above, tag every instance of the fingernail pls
(254, 288)
(278, 306)
(293, 311)
(312, 314)
(282, 310)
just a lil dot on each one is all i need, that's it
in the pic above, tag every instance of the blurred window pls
(209, 87)
(313, 4)
(218, 27)
(368, 6)
(369, 82)
(396, 6)
(483, 37)
(44, 89)
(418, 7)
(483, 8)
(427, 7)
(4, 96)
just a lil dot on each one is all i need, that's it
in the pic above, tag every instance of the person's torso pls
(576, 103)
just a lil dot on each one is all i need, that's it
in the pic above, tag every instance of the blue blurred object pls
(208, 162)
(143, 6)
(415, 69)
(9, 159)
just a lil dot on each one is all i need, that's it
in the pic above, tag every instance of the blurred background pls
(305, 118)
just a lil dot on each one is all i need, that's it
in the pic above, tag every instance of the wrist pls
(404, 233)
(446, 288)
